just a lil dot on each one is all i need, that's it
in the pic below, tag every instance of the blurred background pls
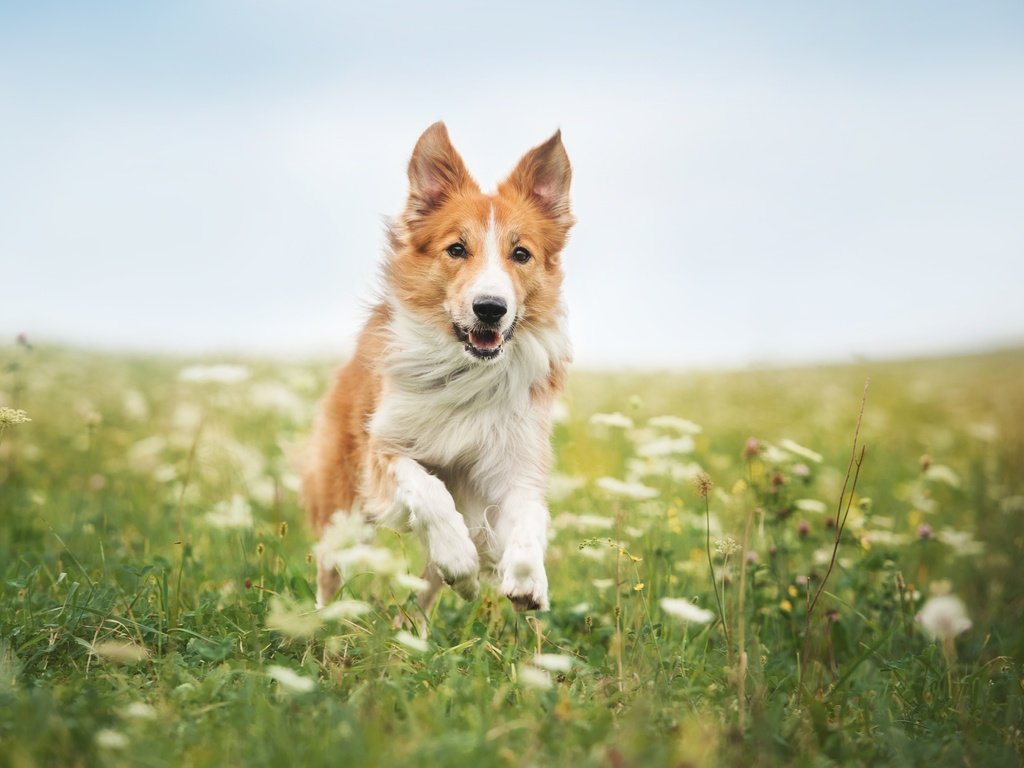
(754, 183)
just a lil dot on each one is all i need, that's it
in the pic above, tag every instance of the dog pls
(440, 422)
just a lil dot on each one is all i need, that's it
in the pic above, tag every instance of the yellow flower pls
(793, 591)
(638, 587)
(786, 606)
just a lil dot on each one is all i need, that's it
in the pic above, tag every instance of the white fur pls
(474, 442)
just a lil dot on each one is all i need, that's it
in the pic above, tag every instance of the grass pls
(135, 629)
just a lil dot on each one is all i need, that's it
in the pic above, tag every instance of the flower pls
(531, 677)
(290, 681)
(138, 710)
(682, 426)
(810, 505)
(924, 532)
(751, 449)
(703, 484)
(553, 662)
(411, 642)
(108, 738)
(726, 546)
(233, 514)
(799, 450)
(626, 490)
(615, 420)
(803, 528)
(120, 651)
(9, 416)
(220, 374)
(943, 617)
(682, 608)
(344, 609)
(292, 620)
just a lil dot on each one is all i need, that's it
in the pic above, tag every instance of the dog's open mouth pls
(483, 342)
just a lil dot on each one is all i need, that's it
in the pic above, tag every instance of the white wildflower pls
(275, 396)
(364, 558)
(120, 651)
(943, 474)
(614, 420)
(144, 455)
(799, 450)
(218, 374)
(108, 738)
(411, 642)
(811, 505)
(291, 619)
(682, 426)
(963, 542)
(233, 514)
(583, 522)
(290, 681)
(944, 617)
(138, 710)
(344, 609)
(666, 446)
(726, 546)
(616, 487)
(553, 662)
(683, 609)
(603, 584)
(134, 405)
(415, 583)
(531, 677)
(562, 486)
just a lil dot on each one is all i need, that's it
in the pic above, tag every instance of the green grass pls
(106, 552)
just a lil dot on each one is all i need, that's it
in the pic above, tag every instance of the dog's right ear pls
(436, 171)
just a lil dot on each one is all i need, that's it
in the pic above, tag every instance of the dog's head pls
(481, 266)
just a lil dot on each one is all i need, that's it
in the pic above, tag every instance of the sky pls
(754, 183)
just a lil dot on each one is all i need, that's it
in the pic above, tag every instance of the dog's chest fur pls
(454, 415)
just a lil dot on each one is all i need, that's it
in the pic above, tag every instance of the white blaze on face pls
(493, 278)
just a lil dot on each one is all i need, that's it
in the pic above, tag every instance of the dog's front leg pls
(522, 536)
(404, 495)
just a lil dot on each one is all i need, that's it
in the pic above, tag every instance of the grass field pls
(155, 604)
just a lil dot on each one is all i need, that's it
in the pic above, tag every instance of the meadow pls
(721, 593)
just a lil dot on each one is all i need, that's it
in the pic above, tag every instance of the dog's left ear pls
(543, 176)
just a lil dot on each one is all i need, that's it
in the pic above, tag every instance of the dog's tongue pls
(486, 340)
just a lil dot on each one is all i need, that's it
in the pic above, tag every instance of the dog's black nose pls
(490, 309)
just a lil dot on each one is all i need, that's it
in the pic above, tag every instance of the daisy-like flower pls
(138, 710)
(120, 651)
(683, 609)
(230, 514)
(553, 662)
(411, 642)
(344, 609)
(218, 374)
(625, 490)
(108, 738)
(943, 617)
(290, 681)
(531, 677)
(682, 426)
(615, 420)
(799, 450)
(292, 620)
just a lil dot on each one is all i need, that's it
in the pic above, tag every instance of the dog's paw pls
(523, 579)
(456, 559)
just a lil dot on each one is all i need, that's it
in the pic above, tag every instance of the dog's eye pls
(456, 250)
(520, 255)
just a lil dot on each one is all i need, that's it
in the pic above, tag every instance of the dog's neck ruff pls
(422, 359)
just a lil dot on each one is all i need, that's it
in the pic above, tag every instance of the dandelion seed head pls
(943, 617)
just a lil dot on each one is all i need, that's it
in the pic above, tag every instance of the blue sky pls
(753, 182)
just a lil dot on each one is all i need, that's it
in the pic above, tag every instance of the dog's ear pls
(435, 171)
(543, 176)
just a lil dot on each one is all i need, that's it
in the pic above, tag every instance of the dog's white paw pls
(523, 579)
(454, 555)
